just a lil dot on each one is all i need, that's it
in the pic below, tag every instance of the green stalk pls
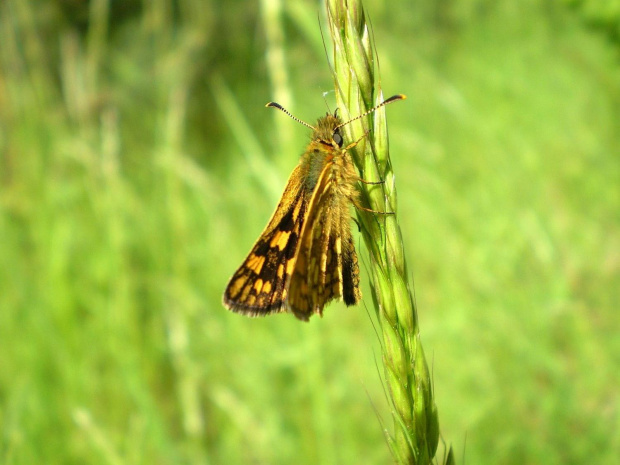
(416, 425)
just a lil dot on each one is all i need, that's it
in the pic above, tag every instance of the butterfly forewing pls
(260, 285)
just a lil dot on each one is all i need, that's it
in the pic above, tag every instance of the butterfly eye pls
(337, 139)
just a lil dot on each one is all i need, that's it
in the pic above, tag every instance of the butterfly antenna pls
(280, 107)
(393, 98)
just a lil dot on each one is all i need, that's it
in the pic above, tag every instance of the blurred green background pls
(138, 165)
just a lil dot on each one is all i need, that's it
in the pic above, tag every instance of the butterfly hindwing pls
(320, 274)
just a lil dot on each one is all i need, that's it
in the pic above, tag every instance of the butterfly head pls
(327, 131)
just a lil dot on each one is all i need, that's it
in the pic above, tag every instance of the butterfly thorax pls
(325, 151)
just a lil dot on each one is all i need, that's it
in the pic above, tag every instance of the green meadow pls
(138, 165)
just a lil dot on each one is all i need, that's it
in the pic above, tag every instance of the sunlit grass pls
(127, 200)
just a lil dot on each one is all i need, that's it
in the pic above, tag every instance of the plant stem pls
(416, 425)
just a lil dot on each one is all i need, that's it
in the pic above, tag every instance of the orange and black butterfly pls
(306, 257)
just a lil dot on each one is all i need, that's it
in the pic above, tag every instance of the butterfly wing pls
(259, 286)
(326, 267)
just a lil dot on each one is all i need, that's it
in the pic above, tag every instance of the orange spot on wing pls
(236, 286)
(246, 291)
(255, 263)
(280, 239)
(290, 265)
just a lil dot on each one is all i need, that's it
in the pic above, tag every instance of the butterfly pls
(306, 256)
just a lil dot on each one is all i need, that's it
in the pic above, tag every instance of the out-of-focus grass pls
(126, 201)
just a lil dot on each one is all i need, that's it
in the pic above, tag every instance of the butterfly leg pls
(353, 144)
(359, 207)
